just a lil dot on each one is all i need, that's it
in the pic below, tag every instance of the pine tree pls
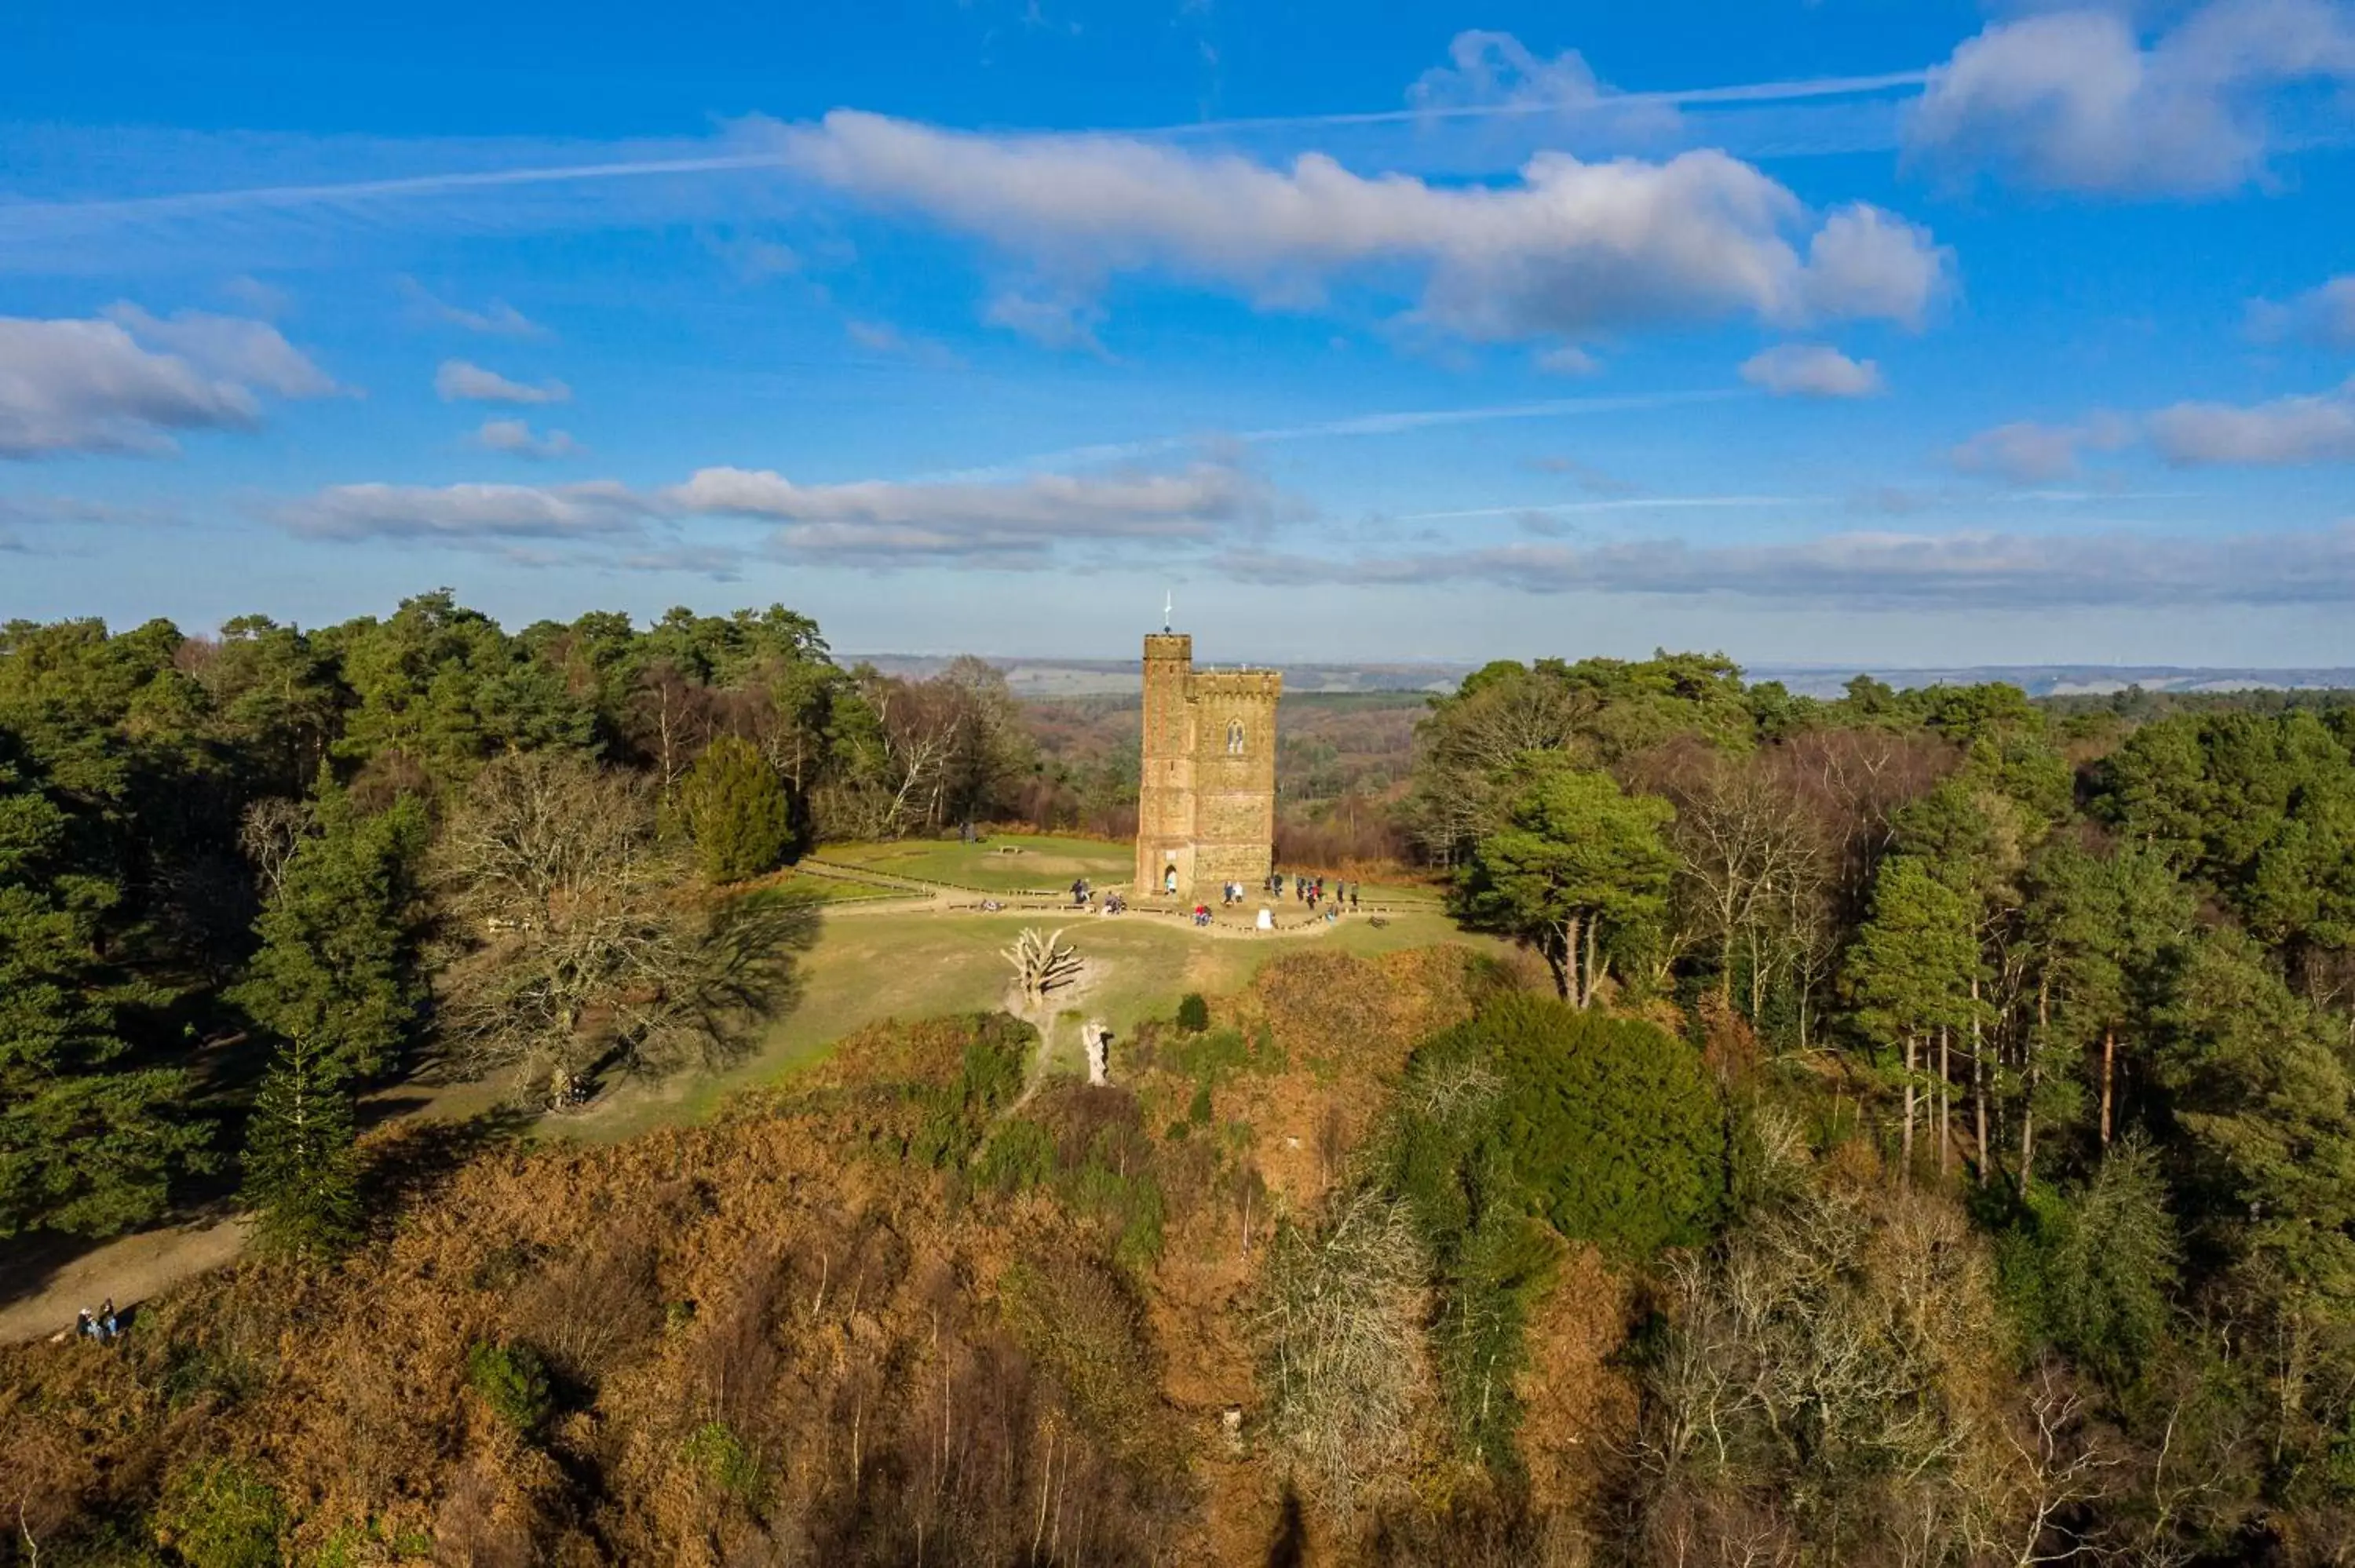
(89, 1139)
(1575, 862)
(333, 983)
(302, 1172)
(1910, 969)
(736, 808)
(335, 967)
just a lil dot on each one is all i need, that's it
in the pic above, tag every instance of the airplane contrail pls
(329, 192)
(1381, 424)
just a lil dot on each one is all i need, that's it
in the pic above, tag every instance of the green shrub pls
(222, 1516)
(1193, 1012)
(726, 1461)
(736, 808)
(1607, 1127)
(362, 1545)
(2089, 1271)
(957, 1114)
(1443, 1153)
(513, 1381)
(1214, 1056)
(1020, 1155)
(1080, 1319)
(1129, 1201)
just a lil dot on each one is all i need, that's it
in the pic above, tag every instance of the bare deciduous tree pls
(588, 950)
(1822, 1377)
(1751, 860)
(1042, 962)
(1339, 1324)
(269, 833)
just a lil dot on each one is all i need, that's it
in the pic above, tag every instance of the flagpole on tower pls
(1168, 603)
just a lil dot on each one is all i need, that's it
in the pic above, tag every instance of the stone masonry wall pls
(1165, 796)
(1234, 791)
(1206, 795)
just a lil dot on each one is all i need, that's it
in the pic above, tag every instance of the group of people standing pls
(1311, 891)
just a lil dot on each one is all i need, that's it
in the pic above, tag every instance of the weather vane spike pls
(1168, 605)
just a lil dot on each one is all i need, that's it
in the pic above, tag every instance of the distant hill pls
(1109, 677)
(1112, 677)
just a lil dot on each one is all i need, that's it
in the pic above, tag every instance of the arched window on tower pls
(1235, 738)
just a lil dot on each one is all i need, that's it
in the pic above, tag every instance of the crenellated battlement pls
(1265, 684)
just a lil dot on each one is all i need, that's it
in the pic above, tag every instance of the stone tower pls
(1206, 794)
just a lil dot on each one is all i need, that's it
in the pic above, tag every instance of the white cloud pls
(1026, 521)
(1057, 321)
(1569, 359)
(251, 353)
(2027, 452)
(515, 437)
(597, 509)
(882, 337)
(1811, 370)
(72, 512)
(1570, 248)
(1490, 73)
(1497, 68)
(459, 381)
(2283, 432)
(1025, 517)
(2075, 100)
(751, 259)
(718, 562)
(2324, 315)
(496, 318)
(259, 298)
(87, 386)
(1884, 570)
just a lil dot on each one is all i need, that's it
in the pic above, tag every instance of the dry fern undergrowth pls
(777, 1338)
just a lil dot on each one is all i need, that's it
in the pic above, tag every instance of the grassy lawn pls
(820, 889)
(878, 964)
(1036, 862)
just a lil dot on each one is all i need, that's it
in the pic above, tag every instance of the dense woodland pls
(239, 858)
(1930, 1115)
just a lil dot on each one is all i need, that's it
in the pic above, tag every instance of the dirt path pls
(128, 1269)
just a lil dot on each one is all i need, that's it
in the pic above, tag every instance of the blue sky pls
(1830, 332)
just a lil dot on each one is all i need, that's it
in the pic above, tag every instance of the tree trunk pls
(1908, 1156)
(1586, 990)
(2028, 1093)
(1757, 980)
(2109, 1072)
(1944, 1082)
(1565, 962)
(1979, 1081)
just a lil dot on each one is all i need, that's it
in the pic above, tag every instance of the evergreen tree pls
(1575, 863)
(336, 969)
(2262, 1106)
(1908, 972)
(302, 1172)
(89, 1140)
(736, 808)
